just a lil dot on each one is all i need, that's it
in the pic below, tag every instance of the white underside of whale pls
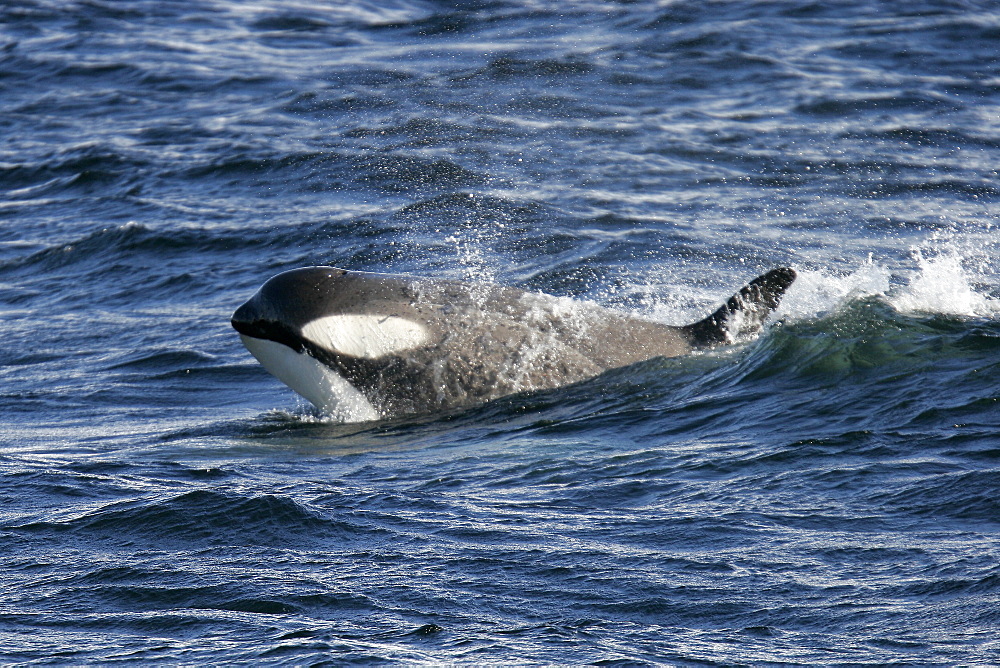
(330, 392)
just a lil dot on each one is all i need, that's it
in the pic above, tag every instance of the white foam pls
(940, 281)
(815, 293)
(942, 285)
(327, 390)
(365, 336)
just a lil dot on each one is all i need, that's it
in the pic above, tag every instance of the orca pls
(363, 346)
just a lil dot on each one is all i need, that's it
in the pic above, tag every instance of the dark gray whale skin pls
(482, 341)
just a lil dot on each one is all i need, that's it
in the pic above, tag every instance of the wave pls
(88, 166)
(121, 241)
(205, 518)
(963, 495)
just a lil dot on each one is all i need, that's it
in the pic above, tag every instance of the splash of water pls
(942, 285)
(816, 293)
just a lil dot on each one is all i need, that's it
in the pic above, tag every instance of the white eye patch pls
(367, 336)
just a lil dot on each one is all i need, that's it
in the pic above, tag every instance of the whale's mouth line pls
(270, 330)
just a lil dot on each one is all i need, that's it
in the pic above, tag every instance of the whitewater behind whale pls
(363, 346)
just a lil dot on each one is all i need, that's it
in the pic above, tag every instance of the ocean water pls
(824, 494)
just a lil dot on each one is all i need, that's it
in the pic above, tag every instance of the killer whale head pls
(332, 310)
(315, 327)
(361, 346)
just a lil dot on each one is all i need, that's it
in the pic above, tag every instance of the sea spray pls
(942, 285)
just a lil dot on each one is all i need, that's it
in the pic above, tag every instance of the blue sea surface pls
(828, 493)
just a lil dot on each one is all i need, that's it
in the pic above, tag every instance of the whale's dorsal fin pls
(745, 312)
